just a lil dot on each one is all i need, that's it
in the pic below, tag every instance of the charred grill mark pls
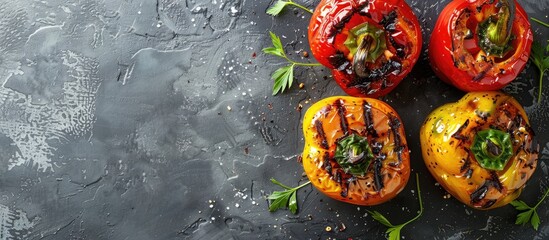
(327, 165)
(394, 124)
(378, 178)
(321, 134)
(389, 24)
(369, 119)
(480, 75)
(345, 190)
(466, 168)
(336, 28)
(458, 134)
(489, 203)
(338, 176)
(342, 119)
(480, 193)
(495, 181)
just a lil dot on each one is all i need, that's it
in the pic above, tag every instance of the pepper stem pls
(353, 154)
(495, 32)
(366, 43)
(492, 149)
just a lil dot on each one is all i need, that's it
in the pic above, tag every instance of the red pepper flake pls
(305, 54)
(299, 159)
(254, 55)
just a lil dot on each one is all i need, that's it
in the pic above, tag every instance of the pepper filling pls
(366, 43)
(492, 149)
(494, 33)
(353, 154)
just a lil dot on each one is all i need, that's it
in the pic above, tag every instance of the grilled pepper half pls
(355, 150)
(480, 149)
(370, 45)
(480, 45)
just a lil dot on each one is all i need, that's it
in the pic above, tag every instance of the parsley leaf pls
(288, 197)
(530, 215)
(394, 231)
(284, 76)
(276, 8)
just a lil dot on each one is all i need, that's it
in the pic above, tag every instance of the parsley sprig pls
(394, 230)
(283, 76)
(539, 57)
(288, 197)
(530, 215)
(276, 8)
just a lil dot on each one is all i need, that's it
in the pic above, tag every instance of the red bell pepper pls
(370, 45)
(480, 45)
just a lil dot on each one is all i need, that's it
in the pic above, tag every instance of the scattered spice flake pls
(305, 54)
(301, 85)
(342, 227)
(246, 150)
(254, 54)
(328, 229)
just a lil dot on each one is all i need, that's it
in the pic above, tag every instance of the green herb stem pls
(394, 230)
(300, 6)
(420, 202)
(542, 199)
(540, 84)
(540, 22)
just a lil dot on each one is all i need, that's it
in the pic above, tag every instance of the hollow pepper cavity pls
(370, 45)
(355, 150)
(480, 45)
(480, 149)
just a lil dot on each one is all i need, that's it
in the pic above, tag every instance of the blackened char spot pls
(338, 61)
(466, 164)
(458, 134)
(344, 191)
(389, 20)
(495, 181)
(369, 119)
(338, 177)
(489, 203)
(376, 147)
(327, 165)
(342, 119)
(321, 134)
(479, 194)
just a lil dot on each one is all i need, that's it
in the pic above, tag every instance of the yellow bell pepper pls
(355, 150)
(480, 148)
